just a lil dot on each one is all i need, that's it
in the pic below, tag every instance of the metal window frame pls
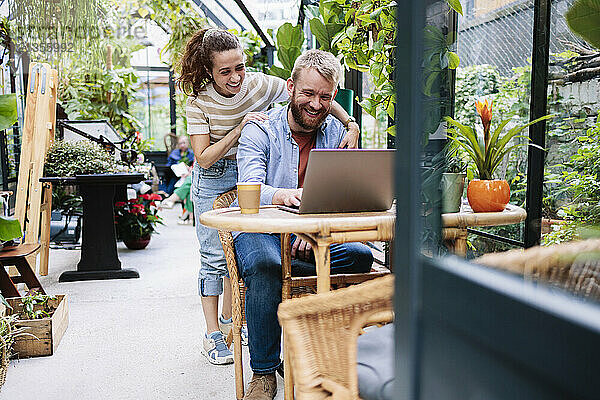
(450, 313)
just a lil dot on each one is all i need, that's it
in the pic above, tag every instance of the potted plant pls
(66, 159)
(453, 180)
(487, 194)
(136, 220)
(40, 321)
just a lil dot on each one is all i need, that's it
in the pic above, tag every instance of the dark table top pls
(95, 179)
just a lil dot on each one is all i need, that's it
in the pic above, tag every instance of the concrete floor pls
(130, 339)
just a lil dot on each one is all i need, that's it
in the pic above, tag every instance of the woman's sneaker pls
(225, 326)
(215, 349)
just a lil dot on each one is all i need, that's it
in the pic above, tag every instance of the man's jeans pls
(259, 260)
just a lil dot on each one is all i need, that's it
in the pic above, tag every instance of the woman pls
(222, 99)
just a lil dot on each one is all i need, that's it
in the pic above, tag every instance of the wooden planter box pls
(47, 331)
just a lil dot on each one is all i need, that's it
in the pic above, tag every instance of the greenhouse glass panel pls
(151, 107)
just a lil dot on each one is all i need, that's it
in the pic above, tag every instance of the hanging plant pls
(50, 29)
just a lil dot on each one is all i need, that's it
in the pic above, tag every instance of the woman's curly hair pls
(197, 58)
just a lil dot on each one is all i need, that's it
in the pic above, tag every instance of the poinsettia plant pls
(137, 218)
(487, 154)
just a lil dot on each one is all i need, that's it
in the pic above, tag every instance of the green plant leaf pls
(453, 60)
(318, 29)
(10, 229)
(289, 44)
(583, 19)
(471, 136)
(391, 130)
(456, 6)
(279, 72)
(8, 110)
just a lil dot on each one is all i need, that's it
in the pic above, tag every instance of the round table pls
(320, 230)
(456, 224)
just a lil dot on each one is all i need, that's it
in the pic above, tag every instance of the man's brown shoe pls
(261, 387)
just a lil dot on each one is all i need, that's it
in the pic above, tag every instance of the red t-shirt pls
(305, 144)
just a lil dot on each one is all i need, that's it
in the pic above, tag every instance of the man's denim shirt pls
(268, 154)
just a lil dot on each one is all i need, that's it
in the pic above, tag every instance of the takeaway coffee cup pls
(249, 197)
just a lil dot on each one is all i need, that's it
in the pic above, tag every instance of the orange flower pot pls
(488, 196)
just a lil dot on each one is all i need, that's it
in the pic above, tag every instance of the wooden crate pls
(47, 331)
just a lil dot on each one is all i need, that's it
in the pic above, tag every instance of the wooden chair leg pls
(45, 234)
(237, 360)
(28, 275)
(286, 293)
(7, 287)
(286, 267)
(288, 380)
(236, 333)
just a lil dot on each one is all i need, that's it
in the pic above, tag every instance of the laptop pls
(344, 180)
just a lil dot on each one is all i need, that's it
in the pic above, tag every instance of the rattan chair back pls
(321, 332)
(574, 266)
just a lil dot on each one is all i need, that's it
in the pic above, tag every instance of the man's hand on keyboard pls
(288, 197)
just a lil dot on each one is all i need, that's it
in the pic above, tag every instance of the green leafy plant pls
(256, 59)
(182, 27)
(8, 110)
(51, 30)
(487, 154)
(66, 200)
(85, 95)
(290, 39)
(456, 6)
(455, 163)
(36, 306)
(326, 25)
(8, 333)
(79, 158)
(137, 218)
(581, 179)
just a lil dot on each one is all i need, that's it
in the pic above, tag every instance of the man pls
(275, 153)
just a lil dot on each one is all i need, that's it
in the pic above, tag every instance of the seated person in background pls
(183, 194)
(182, 154)
(275, 153)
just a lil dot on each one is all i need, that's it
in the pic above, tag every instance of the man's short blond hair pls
(323, 62)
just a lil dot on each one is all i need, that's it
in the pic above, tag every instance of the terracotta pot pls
(137, 244)
(488, 196)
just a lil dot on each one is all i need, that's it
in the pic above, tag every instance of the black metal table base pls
(99, 257)
(73, 276)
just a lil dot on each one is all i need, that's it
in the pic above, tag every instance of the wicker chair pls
(292, 287)
(322, 330)
(573, 266)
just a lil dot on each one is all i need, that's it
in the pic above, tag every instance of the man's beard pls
(309, 124)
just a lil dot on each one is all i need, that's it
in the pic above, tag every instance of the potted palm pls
(487, 194)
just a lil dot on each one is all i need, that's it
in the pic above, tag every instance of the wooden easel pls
(34, 199)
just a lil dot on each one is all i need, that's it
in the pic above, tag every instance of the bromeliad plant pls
(137, 218)
(488, 154)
